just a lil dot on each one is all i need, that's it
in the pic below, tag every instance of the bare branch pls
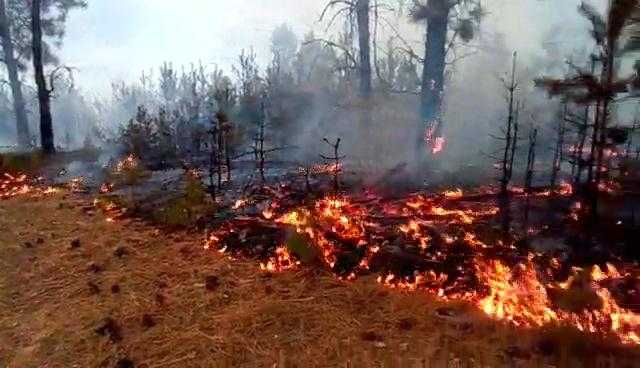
(333, 44)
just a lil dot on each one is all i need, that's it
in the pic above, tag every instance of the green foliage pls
(54, 16)
(128, 172)
(133, 176)
(150, 137)
(139, 134)
(195, 193)
(301, 247)
(186, 209)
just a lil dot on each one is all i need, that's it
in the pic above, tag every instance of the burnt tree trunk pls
(44, 93)
(213, 158)
(581, 161)
(594, 134)
(22, 123)
(514, 145)
(558, 151)
(578, 157)
(433, 70)
(260, 154)
(608, 74)
(509, 136)
(627, 150)
(227, 155)
(364, 42)
(528, 180)
(531, 161)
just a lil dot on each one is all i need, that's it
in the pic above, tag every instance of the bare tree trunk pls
(227, 156)
(44, 94)
(514, 145)
(531, 161)
(594, 143)
(627, 150)
(511, 88)
(260, 155)
(364, 41)
(22, 123)
(578, 156)
(558, 151)
(212, 159)
(219, 153)
(600, 142)
(433, 70)
(583, 138)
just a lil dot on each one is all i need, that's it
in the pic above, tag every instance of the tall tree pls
(16, 38)
(443, 27)
(364, 47)
(361, 9)
(9, 58)
(44, 93)
(284, 45)
(621, 20)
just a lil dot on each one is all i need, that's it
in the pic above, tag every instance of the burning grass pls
(454, 271)
(434, 243)
(90, 305)
(22, 185)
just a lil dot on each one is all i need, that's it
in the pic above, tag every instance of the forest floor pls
(79, 291)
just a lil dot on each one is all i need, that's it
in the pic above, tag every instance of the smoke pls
(310, 98)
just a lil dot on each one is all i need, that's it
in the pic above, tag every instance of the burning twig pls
(306, 173)
(336, 162)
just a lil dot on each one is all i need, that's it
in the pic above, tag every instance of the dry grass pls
(208, 311)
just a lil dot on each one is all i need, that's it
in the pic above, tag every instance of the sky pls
(114, 40)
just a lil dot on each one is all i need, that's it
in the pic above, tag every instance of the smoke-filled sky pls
(115, 40)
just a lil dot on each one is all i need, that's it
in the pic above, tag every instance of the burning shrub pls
(128, 171)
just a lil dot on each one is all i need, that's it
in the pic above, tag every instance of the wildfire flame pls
(128, 163)
(435, 142)
(438, 145)
(523, 293)
(22, 185)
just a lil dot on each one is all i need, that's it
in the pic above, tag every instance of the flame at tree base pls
(435, 142)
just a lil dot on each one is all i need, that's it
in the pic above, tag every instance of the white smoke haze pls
(109, 44)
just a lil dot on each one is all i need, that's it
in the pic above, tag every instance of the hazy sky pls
(116, 39)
